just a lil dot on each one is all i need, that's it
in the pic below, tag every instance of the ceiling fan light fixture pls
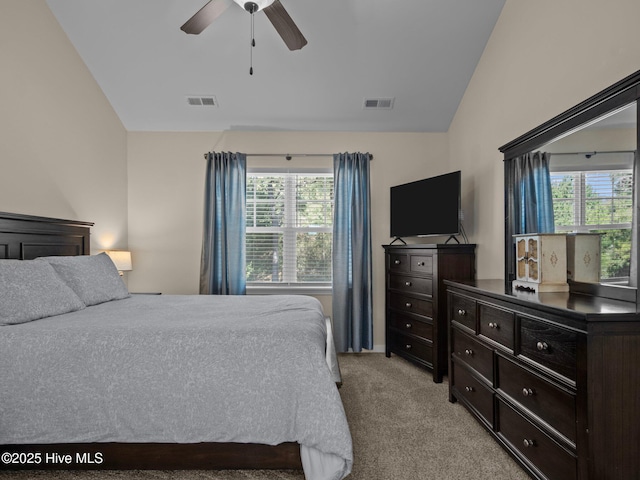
(260, 3)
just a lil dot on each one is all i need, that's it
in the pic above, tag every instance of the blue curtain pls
(352, 284)
(222, 267)
(533, 209)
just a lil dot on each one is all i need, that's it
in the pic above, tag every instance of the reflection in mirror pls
(592, 178)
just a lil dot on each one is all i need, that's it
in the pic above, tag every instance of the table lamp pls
(121, 259)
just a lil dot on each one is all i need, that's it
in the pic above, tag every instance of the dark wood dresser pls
(416, 313)
(554, 377)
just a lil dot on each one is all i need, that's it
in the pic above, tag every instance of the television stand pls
(454, 238)
(416, 300)
(398, 239)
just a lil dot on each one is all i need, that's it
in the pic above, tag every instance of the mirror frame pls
(622, 93)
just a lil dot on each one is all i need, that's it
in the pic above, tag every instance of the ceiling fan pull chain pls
(253, 43)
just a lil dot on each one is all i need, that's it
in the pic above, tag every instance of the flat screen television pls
(427, 207)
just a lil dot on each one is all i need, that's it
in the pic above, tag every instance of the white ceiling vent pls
(202, 101)
(378, 103)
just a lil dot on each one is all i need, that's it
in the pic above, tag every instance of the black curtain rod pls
(289, 156)
(592, 153)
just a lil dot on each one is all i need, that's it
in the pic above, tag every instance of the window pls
(597, 202)
(289, 228)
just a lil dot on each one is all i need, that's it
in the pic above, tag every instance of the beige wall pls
(166, 184)
(62, 147)
(543, 57)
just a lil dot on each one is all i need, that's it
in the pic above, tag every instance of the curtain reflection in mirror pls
(533, 206)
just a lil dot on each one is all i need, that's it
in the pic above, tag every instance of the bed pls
(236, 382)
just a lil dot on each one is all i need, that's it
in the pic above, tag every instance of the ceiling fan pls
(274, 10)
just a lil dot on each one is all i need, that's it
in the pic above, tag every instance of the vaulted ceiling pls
(420, 54)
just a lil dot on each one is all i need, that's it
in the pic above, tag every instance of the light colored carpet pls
(403, 428)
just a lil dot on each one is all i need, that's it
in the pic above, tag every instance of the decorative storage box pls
(583, 257)
(541, 262)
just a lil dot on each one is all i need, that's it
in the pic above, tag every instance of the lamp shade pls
(121, 259)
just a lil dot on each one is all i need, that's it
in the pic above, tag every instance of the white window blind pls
(598, 201)
(289, 228)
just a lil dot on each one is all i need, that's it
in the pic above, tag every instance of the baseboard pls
(376, 349)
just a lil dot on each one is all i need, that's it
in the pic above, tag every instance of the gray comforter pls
(179, 369)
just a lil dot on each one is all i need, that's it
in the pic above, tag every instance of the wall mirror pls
(591, 173)
(591, 151)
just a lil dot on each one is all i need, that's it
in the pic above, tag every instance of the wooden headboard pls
(25, 237)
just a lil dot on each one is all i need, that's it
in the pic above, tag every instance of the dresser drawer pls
(406, 345)
(497, 324)
(411, 304)
(411, 284)
(476, 355)
(549, 345)
(411, 326)
(554, 405)
(541, 450)
(422, 264)
(399, 262)
(473, 391)
(463, 311)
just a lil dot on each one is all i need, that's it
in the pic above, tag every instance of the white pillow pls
(94, 278)
(30, 290)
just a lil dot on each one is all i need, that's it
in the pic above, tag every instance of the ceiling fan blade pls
(285, 26)
(205, 16)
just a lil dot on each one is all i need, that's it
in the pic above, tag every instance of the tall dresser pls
(554, 377)
(416, 313)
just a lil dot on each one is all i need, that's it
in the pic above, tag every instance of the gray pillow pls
(30, 290)
(94, 278)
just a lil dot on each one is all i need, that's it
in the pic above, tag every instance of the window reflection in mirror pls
(592, 185)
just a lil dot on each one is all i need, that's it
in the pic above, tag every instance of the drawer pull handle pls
(462, 312)
(408, 325)
(469, 389)
(421, 264)
(407, 284)
(542, 346)
(408, 304)
(493, 325)
(407, 347)
(528, 392)
(529, 443)
(468, 351)
(397, 262)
